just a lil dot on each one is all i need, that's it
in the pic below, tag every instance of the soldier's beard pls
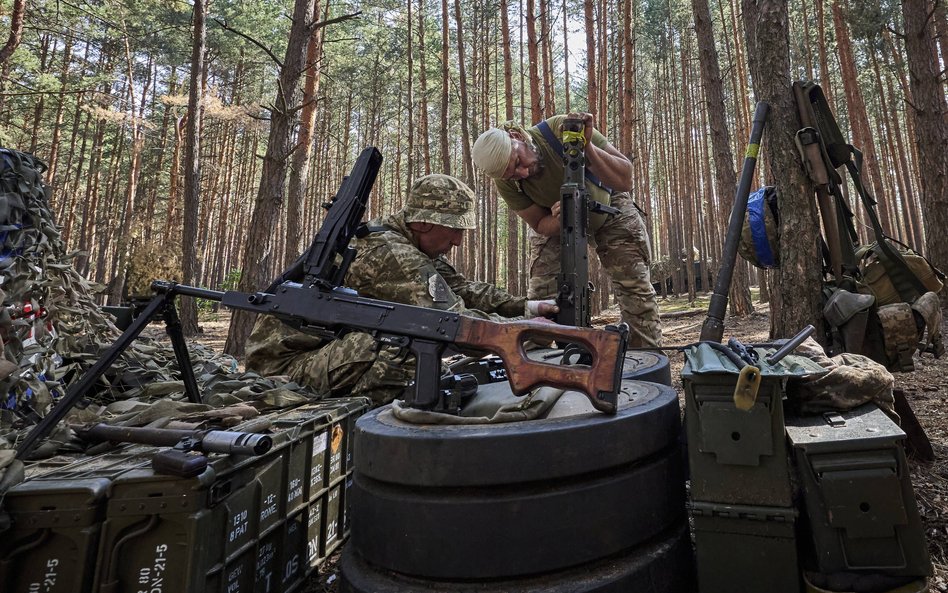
(538, 164)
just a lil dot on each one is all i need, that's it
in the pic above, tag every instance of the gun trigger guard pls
(745, 392)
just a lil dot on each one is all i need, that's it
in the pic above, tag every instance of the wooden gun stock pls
(600, 381)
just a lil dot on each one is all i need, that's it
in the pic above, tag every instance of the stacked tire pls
(643, 365)
(580, 501)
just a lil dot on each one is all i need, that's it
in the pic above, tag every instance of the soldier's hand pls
(555, 209)
(589, 123)
(542, 309)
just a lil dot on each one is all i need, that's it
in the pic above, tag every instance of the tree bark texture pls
(931, 130)
(796, 295)
(192, 168)
(725, 175)
(258, 253)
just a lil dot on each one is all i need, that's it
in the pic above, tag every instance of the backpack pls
(760, 235)
(882, 301)
(877, 282)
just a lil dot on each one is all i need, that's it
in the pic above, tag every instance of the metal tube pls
(713, 328)
(791, 345)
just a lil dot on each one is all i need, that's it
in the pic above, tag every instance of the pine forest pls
(213, 131)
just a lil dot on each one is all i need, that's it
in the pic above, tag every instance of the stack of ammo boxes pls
(110, 524)
(741, 495)
(771, 496)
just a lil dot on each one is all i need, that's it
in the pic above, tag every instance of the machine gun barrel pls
(205, 441)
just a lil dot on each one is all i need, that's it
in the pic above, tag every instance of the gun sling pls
(835, 152)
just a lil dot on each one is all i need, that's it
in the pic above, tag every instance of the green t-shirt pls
(543, 189)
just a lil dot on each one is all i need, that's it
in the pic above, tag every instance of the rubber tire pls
(465, 502)
(664, 565)
(639, 365)
(651, 366)
(435, 455)
(485, 533)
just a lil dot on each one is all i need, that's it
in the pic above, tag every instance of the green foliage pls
(868, 18)
(231, 280)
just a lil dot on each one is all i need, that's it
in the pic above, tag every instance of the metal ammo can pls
(57, 518)
(247, 523)
(741, 494)
(861, 514)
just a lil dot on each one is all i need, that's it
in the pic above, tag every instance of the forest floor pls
(926, 390)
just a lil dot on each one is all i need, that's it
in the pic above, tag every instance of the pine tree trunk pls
(858, 120)
(931, 130)
(687, 187)
(536, 97)
(192, 168)
(269, 201)
(136, 122)
(17, 15)
(423, 90)
(725, 175)
(592, 83)
(445, 81)
(299, 168)
(513, 221)
(796, 297)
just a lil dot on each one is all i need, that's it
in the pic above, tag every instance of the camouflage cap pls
(440, 199)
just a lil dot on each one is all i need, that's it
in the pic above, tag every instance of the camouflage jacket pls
(389, 266)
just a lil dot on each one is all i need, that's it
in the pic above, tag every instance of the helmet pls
(440, 199)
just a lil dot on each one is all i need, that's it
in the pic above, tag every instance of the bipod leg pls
(95, 372)
(173, 327)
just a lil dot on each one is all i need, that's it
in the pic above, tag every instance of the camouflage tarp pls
(52, 331)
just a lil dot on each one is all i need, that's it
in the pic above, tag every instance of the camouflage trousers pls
(351, 365)
(622, 245)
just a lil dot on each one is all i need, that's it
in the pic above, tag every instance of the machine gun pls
(575, 205)
(178, 461)
(309, 296)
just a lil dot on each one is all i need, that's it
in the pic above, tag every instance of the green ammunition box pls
(858, 494)
(332, 525)
(57, 518)
(745, 549)
(270, 479)
(294, 565)
(315, 453)
(55, 535)
(267, 561)
(736, 456)
(344, 510)
(239, 574)
(109, 523)
(317, 465)
(314, 533)
(295, 453)
(172, 534)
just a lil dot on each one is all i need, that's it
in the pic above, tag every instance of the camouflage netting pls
(149, 261)
(52, 331)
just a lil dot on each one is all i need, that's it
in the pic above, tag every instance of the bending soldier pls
(528, 172)
(401, 260)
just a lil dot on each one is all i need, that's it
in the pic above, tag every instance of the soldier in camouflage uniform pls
(401, 260)
(528, 173)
